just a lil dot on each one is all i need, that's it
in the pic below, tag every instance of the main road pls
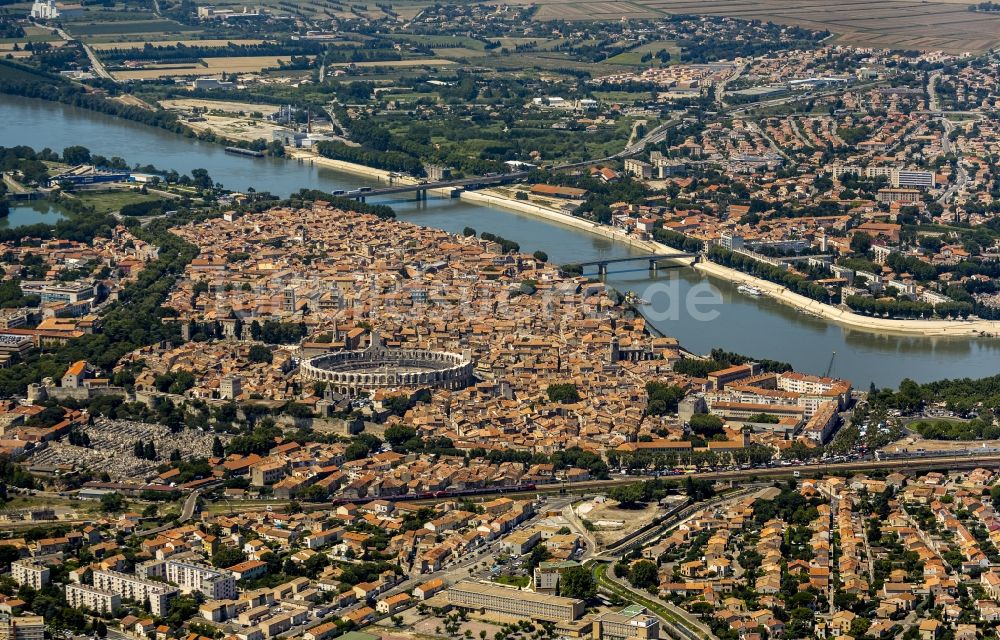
(95, 62)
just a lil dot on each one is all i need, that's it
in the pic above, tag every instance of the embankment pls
(928, 328)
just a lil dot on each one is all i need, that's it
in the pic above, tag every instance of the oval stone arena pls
(380, 367)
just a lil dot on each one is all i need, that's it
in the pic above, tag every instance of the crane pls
(829, 367)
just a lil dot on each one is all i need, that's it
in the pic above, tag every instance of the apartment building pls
(29, 572)
(814, 385)
(524, 604)
(719, 379)
(216, 584)
(22, 628)
(132, 587)
(266, 474)
(905, 178)
(521, 542)
(631, 623)
(81, 596)
(545, 578)
(906, 196)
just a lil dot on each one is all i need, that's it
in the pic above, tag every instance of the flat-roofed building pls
(514, 602)
(29, 572)
(82, 596)
(631, 623)
(216, 584)
(898, 195)
(22, 628)
(55, 291)
(14, 344)
(131, 587)
(521, 542)
(545, 578)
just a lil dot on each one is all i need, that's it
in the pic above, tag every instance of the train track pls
(915, 463)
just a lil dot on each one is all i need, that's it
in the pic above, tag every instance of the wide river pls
(759, 327)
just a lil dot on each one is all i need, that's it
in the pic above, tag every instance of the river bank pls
(313, 158)
(759, 326)
(926, 328)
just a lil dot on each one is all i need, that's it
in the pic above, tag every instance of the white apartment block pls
(82, 596)
(216, 584)
(131, 587)
(897, 177)
(29, 572)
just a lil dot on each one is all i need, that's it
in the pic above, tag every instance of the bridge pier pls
(653, 266)
(602, 268)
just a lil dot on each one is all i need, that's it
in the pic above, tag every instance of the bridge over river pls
(421, 188)
(654, 260)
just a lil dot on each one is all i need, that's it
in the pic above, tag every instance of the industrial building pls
(88, 174)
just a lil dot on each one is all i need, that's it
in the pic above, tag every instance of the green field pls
(108, 201)
(454, 53)
(131, 27)
(634, 56)
(41, 37)
(437, 41)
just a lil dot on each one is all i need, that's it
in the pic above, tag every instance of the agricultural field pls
(139, 44)
(454, 53)
(153, 27)
(416, 62)
(613, 10)
(945, 25)
(634, 56)
(33, 34)
(208, 67)
(439, 41)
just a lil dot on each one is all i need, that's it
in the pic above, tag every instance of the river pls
(755, 326)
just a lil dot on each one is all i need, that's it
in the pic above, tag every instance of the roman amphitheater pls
(380, 367)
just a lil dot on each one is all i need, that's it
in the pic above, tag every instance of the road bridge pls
(421, 188)
(653, 258)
